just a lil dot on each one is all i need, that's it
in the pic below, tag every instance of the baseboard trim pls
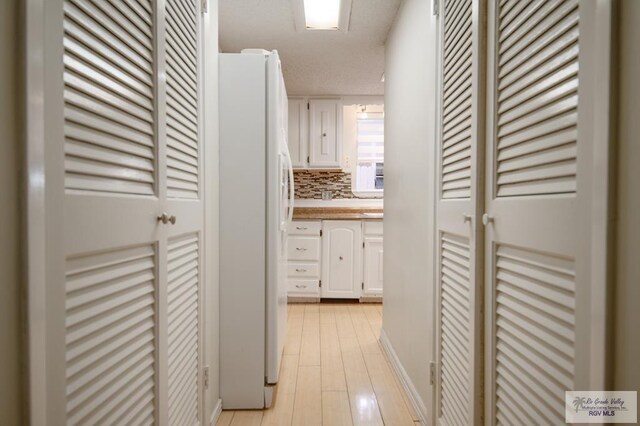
(407, 384)
(301, 299)
(371, 299)
(216, 413)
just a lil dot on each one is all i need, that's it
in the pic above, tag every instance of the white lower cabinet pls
(304, 249)
(373, 250)
(341, 259)
(338, 259)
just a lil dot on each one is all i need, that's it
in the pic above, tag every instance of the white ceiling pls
(314, 62)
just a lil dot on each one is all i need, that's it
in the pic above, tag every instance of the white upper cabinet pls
(298, 132)
(325, 131)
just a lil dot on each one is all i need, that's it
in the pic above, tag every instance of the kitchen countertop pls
(337, 213)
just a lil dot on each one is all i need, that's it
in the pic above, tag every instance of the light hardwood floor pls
(333, 373)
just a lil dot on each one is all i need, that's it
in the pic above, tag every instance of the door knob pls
(165, 218)
(486, 219)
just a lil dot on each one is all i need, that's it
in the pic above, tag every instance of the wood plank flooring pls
(333, 373)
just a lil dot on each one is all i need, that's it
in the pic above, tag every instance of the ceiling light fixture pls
(363, 112)
(321, 14)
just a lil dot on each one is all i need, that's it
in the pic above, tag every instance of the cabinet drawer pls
(304, 286)
(373, 227)
(304, 270)
(305, 227)
(304, 248)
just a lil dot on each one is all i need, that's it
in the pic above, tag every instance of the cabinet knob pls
(301, 270)
(324, 135)
(301, 249)
(301, 228)
(300, 286)
(165, 218)
(341, 258)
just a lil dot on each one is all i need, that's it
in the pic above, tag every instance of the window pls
(370, 151)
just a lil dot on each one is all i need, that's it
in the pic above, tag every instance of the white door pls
(122, 135)
(298, 133)
(325, 125)
(373, 255)
(459, 281)
(341, 259)
(543, 327)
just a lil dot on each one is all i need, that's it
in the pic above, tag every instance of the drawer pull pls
(301, 228)
(301, 270)
(300, 286)
(301, 249)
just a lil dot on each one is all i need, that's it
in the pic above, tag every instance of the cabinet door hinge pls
(321, 232)
(308, 161)
(205, 377)
(363, 244)
(436, 7)
(432, 373)
(308, 107)
(363, 286)
(320, 284)
(204, 6)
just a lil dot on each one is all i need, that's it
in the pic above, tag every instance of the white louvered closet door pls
(184, 200)
(537, 251)
(124, 121)
(459, 240)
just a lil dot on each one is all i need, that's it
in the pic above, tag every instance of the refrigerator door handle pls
(291, 188)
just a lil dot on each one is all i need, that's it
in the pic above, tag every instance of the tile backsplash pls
(311, 183)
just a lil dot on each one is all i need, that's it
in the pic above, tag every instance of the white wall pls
(211, 148)
(11, 367)
(410, 95)
(626, 312)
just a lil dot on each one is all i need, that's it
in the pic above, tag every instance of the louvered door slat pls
(535, 335)
(456, 100)
(108, 96)
(522, 17)
(183, 135)
(455, 329)
(110, 335)
(537, 100)
(183, 331)
(134, 13)
(132, 43)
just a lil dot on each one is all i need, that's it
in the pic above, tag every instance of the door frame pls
(42, 229)
(43, 226)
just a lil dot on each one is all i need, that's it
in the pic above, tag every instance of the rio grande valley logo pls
(601, 407)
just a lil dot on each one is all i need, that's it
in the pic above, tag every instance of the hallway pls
(334, 372)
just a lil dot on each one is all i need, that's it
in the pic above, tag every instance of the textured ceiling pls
(314, 62)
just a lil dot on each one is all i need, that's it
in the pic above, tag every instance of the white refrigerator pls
(256, 207)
